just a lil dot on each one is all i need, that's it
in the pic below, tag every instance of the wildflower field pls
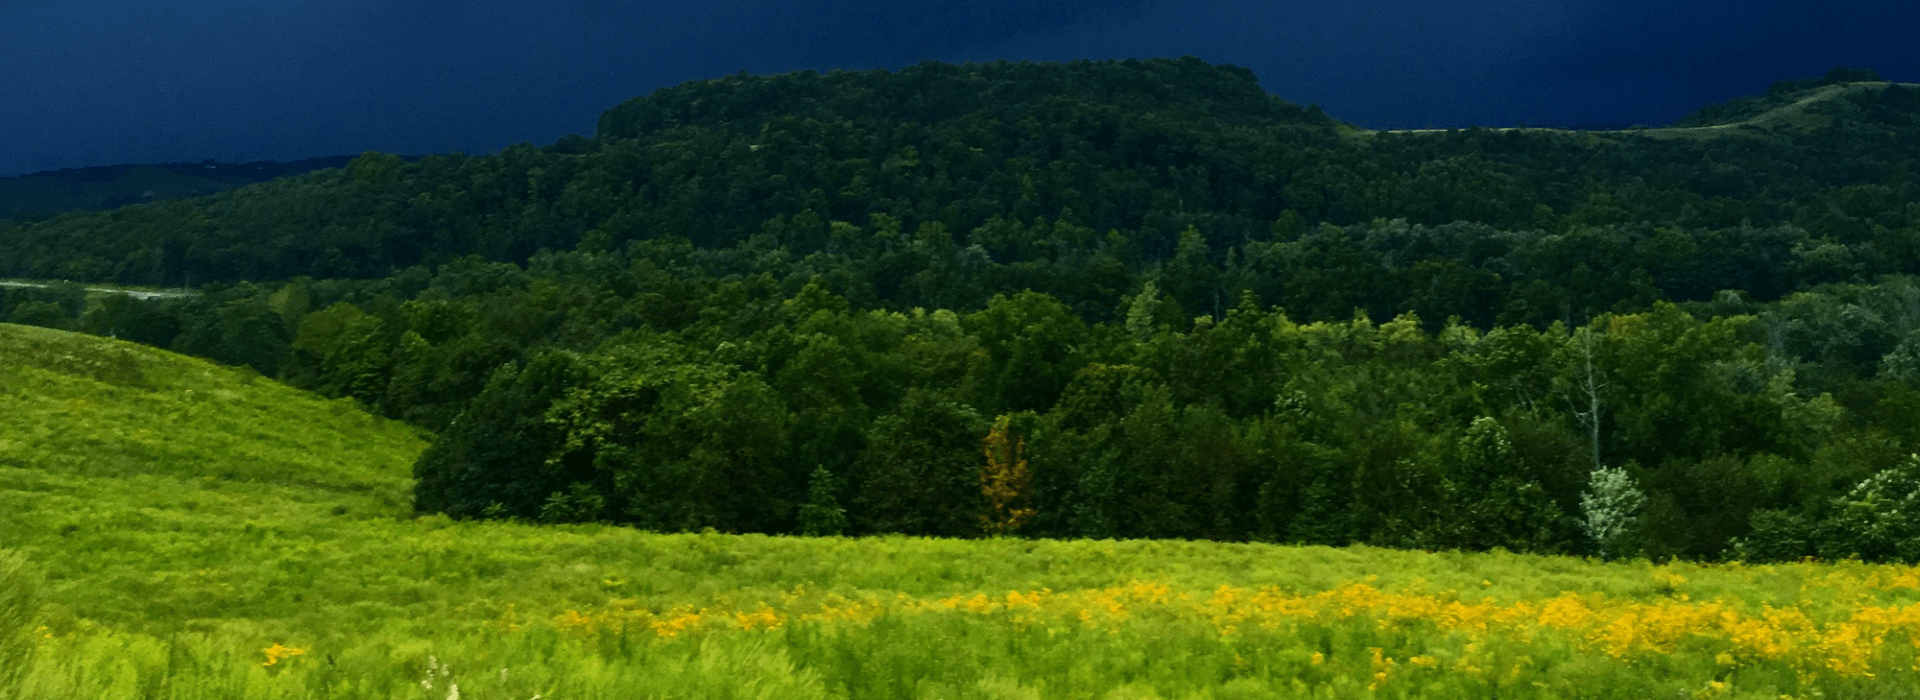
(173, 529)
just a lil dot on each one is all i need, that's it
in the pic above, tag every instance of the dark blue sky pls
(96, 82)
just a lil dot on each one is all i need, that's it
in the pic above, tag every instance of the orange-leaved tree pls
(1006, 480)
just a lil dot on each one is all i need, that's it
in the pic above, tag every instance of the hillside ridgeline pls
(41, 194)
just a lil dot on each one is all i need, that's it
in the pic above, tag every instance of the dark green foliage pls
(342, 351)
(1248, 427)
(45, 314)
(493, 458)
(920, 473)
(51, 306)
(677, 444)
(1032, 345)
(235, 328)
(795, 303)
(933, 92)
(822, 515)
(943, 186)
(1083, 489)
(1494, 499)
(1777, 535)
(580, 503)
(124, 317)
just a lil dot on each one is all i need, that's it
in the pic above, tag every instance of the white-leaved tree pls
(1610, 510)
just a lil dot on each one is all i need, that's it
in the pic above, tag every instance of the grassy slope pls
(1795, 115)
(1798, 114)
(189, 515)
(127, 472)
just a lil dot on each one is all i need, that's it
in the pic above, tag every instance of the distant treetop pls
(936, 92)
(1837, 76)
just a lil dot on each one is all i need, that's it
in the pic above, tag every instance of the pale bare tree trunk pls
(1590, 384)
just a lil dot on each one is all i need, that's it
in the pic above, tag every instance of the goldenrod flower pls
(277, 652)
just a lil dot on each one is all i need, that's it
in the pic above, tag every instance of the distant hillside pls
(934, 93)
(1780, 95)
(1145, 149)
(124, 461)
(111, 186)
(83, 408)
(1846, 101)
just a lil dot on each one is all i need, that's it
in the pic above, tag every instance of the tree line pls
(736, 404)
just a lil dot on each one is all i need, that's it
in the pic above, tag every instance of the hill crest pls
(936, 92)
(113, 186)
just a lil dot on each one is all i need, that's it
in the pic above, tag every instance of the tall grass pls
(1136, 641)
(19, 616)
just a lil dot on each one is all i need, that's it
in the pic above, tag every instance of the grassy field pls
(192, 531)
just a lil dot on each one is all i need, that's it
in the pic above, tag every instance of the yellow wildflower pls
(1382, 666)
(277, 653)
(1712, 689)
(575, 623)
(764, 618)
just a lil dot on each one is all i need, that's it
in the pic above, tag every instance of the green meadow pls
(170, 528)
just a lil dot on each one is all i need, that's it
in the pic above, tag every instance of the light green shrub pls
(1879, 520)
(1610, 510)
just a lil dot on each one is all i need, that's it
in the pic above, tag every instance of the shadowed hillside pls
(834, 164)
(108, 187)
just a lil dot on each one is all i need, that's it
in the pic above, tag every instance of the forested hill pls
(1118, 299)
(1031, 175)
(935, 93)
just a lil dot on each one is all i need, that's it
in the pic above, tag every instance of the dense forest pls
(1100, 299)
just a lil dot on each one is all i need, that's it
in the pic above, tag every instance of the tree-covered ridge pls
(934, 93)
(1023, 175)
(783, 305)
